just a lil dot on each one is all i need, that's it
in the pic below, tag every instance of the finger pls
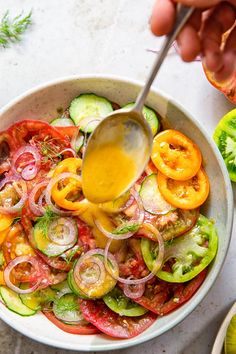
(229, 58)
(188, 39)
(220, 20)
(163, 16)
(227, 68)
(199, 3)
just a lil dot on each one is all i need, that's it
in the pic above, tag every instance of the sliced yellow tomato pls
(2, 281)
(5, 221)
(72, 165)
(3, 235)
(66, 193)
(175, 155)
(188, 194)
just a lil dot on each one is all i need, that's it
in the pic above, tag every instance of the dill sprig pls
(44, 221)
(12, 29)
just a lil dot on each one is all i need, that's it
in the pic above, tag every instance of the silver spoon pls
(128, 129)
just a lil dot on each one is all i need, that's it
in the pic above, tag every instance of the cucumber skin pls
(24, 308)
(73, 286)
(90, 96)
(61, 249)
(150, 115)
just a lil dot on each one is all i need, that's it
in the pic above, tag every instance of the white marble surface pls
(111, 37)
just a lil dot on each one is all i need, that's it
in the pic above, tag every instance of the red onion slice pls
(89, 269)
(67, 233)
(137, 220)
(37, 209)
(18, 260)
(134, 291)
(157, 265)
(22, 193)
(68, 150)
(28, 172)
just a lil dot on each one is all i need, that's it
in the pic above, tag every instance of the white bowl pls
(43, 103)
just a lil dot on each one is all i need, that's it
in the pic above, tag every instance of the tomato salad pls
(112, 267)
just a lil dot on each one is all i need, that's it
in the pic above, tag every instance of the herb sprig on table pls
(11, 30)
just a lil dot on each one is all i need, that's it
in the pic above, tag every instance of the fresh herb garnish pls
(44, 221)
(12, 29)
(127, 228)
(69, 255)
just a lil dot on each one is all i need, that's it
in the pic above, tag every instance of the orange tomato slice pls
(175, 155)
(188, 194)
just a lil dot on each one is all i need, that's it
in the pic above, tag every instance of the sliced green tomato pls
(150, 116)
(38, 298)
(153, 202)
(45, 245)
(225, 138)
(66, 308)
(62, 122)
(119, 303)
(14, 303)
(73, 286)
(96, 290)
(188, 254)
(89, 106)
(230, 338)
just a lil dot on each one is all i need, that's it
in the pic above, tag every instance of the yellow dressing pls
(93, 212)
(106, 173)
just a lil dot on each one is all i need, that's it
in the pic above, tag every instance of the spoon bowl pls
(122, 142)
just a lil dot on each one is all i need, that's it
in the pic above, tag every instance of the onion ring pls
(18, 260)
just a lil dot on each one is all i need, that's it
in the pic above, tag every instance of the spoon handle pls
(182, 16)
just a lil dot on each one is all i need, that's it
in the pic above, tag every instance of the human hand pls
(203, 32)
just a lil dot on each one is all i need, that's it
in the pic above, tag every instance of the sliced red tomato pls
(73, 329)
(49, 141)
(188, 194)
(130, 260)
(7, 149)
(113, 324)
(54, 262)
(175, 155)
(161, 297)
(69, 131)
(86, 237)
(16, 243)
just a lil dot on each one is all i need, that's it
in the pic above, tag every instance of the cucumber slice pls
(62, 122)
(77, 143)
(74, 288)
(98, 289)
(91, 107)
(62, 289)
(36, 299)
(153, 202)
(149, 115)
(14, 303)
(60, 286)
(66, 308)
(45, 245)
(88, 124)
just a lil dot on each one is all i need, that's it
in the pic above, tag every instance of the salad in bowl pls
(112, 267)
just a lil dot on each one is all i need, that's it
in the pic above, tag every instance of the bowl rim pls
(121, 344)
